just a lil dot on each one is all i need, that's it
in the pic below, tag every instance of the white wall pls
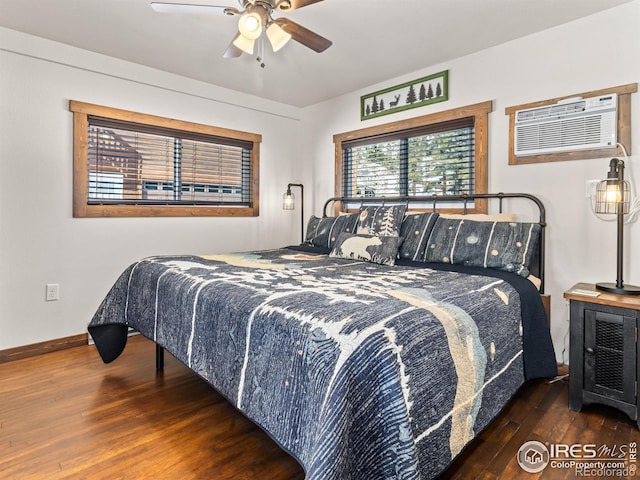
(40, 241)
(593, 53)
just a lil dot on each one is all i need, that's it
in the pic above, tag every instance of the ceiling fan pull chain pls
(260, 57)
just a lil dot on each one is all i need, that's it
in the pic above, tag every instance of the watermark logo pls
(533, 457)
(584, 460)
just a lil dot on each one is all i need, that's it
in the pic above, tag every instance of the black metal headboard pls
(432, 201)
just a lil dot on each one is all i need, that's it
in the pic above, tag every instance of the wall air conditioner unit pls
(571, 124)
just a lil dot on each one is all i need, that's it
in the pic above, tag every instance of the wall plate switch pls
(52, 292)
(590, 188)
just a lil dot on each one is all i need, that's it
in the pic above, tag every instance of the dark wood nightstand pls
(604, 357)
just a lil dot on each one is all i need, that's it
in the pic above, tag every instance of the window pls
(131, 164)
(438, 154)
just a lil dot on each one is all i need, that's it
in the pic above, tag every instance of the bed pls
(377, 349)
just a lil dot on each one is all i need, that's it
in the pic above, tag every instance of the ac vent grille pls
(577, 125)
(551, 111)
(579, 132)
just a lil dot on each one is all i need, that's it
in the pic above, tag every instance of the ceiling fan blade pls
(232, 51)
(303, 35)
(286, 5)
(168, 7)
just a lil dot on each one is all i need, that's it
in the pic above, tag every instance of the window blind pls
(431, 159)
(131, 163)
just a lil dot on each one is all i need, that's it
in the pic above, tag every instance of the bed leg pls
(159, 357)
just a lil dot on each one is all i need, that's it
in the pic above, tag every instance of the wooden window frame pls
(82, 208)
(480, 112)
(624, 128)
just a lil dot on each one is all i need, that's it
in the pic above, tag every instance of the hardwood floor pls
(67, 415)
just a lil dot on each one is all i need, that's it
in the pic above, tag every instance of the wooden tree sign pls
(420, 92)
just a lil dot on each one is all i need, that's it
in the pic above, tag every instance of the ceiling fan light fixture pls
(245, 44)
(254, 17)
(250, 25)
(277, 36)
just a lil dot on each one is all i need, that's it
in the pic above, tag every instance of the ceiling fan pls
(255, 16)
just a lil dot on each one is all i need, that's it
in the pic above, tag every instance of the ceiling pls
(373, 40)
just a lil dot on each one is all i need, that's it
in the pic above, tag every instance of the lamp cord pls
(634, 208)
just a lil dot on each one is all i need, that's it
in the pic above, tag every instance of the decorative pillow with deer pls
(370, 248)
(381, 220)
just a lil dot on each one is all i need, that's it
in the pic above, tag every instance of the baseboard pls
(34, 349)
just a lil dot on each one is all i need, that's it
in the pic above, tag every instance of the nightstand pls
(604, 357)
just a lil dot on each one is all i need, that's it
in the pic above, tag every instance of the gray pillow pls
(385, 221)
(323, 232)
(370, 248)
(506, 246)
(416, 229)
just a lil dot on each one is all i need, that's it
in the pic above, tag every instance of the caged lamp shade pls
(613, 196)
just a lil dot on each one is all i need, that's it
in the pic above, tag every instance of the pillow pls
(482, 217)
(416, 229)
(504, 245)
(380, 220)
(370, 248)
(322, 232)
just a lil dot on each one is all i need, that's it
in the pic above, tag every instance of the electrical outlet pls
(590, 188)
(52, 292)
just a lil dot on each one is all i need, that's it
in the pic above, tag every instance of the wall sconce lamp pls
(613, 196)
(289, 203)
